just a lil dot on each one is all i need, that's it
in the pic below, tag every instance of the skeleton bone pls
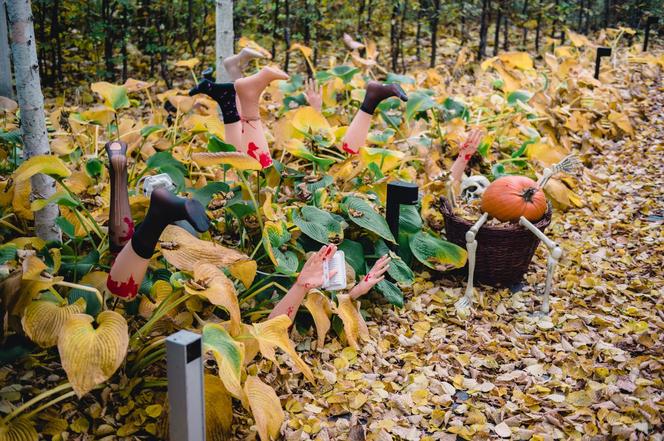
(555, 253)
(471, 246)
(567, 165)
(473, 187)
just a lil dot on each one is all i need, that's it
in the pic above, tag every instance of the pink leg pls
(356, 135)
(233, 134)
(127, 273)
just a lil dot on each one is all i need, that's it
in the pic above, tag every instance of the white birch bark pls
(31, 104)
(224, 36)
(5, 61)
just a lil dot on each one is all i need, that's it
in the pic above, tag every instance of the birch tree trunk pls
(5, 61)
(224, 40)
(31, 103)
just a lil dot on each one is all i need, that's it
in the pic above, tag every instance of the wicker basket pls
(503, 252)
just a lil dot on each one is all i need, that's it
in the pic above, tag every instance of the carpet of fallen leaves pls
(592, 369)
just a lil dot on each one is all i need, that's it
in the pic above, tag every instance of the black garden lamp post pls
(652, 21)
(399, 193)
(601, 52)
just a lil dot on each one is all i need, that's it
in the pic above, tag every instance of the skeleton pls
(473, 187)
(567, 165)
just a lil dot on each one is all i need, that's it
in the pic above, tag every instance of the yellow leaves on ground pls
(622, 121)
(189, 64)
(46, 164)
(545, 153)
(319, 307)
(237, 160)
(265, 407)
(244, 271)
(355, 328)
(274, 333)
(218, 409)
(90, 355)
(578, 40)
(183, 250)
(212, 284)
(561, 196)
(43, 320)
(19, 429)
(513, 60)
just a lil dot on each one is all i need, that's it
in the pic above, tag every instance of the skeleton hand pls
(370, 280)
(311, 275)
(312, 92)
(466, 151)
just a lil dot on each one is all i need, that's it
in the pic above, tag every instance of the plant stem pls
(253, 199)
(34, 400)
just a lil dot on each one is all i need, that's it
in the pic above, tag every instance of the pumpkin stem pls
(528, 194)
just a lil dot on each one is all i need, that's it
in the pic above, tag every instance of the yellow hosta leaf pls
(218, 409)
(251, 44)
(159, 291)
(43, 320)
(6, 193)
(244, 271)
(309, 121)
(205, 123)
(386, 159)
(114, 96)
(209, 282)
(181, 102)
(517, 60)
(229, 355)
(238, 160)
(62, 145)
(511, 81)
(132, 85)
(190, 63)
(265, 407)
(274, 332)
(21, 199)
(183, 250)
(46, 164)
(354, 326)
(319, 307)
(34, 242)
(18, 429)
(99, 114)
(90, 355)
(306, 51)
(33, 267)
(78, 182)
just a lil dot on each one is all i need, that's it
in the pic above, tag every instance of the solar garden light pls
(652, 21)
(601, 52)
(399, 193)
(186, 398)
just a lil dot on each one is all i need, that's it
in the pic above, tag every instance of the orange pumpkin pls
(510, 197)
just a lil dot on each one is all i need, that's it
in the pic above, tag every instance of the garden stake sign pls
(601, 52)
(186, 397)
(398, 193)
(652, 21)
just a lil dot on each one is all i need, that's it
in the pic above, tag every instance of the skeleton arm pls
(471, 246)
(555, 252)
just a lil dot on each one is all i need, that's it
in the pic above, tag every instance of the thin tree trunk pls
(369, 12)
(506, 33)
(539, 25)
(433, 23)
(360, 15)
(33, 119)
(287, 34)
(607, 13)
(418, 32)
(6, 88)
(484, 20)
(496, 37)
(224, 36)
(394, 35)
(524, 14)
(554, 24)
(402, 35)
(107, 14)
(190, 25)
(275, 22)
(125, 21)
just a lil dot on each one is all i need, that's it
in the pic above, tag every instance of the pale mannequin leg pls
(249, 90)
(236, 63)
(233, 134)
(356, 135)
(129, 268)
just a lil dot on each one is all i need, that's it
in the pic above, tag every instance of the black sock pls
(377, 92)
(223, 94)
(166, 208)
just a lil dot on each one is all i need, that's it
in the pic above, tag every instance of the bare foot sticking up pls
(235, 64)
(352, 44)
(249, 89)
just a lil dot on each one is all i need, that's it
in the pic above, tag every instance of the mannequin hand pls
(311, 276)
(312, 92)
(469, 147)
(370, 280)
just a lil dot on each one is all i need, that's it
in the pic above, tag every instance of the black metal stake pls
(398, 193)
(652, 21)
(601, 52)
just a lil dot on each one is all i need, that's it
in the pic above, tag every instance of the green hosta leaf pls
(7, 253)
(58, 198)
(319, 225)
(229, 355)
(346, 73)
(149, 130)
(397, 269)
(391, 292)
(454, 109)
(325, 182)
(418, 102)
(483, 148)
(94, 167)
(164, 162)
(354, 255)
(205, 194)
(363, 215)
(11, 138)
(92, 303)
(114, 96)
(74, 267)
(66, 226)
(436, 253)
(518, 95)
(275, 239)
(291, 86)
(523, 148)
(402, 79)
(381, 137)
(410, 220)
(217, 145)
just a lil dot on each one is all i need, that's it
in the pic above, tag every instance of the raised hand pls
(466, 151)
(312, 92)
(311, 276)
(370, 280)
